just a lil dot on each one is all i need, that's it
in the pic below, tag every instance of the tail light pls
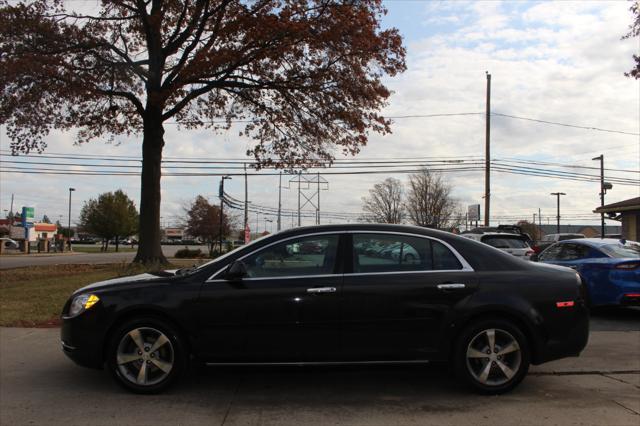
(628, 266)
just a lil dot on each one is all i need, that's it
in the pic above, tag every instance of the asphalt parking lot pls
(40, 386)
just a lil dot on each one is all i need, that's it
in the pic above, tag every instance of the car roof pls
(593, 242)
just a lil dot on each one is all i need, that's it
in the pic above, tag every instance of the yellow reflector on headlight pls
(92, 300)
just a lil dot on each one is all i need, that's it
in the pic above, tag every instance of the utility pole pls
(69, 223)
(246, 200)
(221, 194)
(11, 211)
(299, 176)
(558, 194)
(318, 209)
(279, 201)
(487, 155)
(601, 158)
(539, 217)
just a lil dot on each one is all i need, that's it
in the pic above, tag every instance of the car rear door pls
(395, 308)
(285, 310)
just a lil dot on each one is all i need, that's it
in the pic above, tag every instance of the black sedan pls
(318, 296)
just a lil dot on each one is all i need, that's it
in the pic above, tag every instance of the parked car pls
(514, 244)
(550, 239)
(9, 243)
(488, 313)
(609, 268)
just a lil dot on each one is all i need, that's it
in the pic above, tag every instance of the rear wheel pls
(492, 356)
(146, 355)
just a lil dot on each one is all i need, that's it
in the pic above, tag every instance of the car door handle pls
(321, 290)
(451, 286)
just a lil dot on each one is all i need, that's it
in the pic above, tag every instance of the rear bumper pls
(566, 341)
(630, 299)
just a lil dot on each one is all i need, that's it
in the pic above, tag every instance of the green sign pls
(28, 214)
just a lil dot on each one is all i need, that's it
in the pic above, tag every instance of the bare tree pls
(384, 203)
(429, 201)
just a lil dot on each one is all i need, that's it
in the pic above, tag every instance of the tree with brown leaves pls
(203, 221)
(305, 75)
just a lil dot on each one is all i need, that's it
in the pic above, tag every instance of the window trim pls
(339, 234)
(466, 267)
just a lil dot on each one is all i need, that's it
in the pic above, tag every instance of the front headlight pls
(82, 303)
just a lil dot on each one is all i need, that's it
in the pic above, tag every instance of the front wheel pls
(146, 355)
(492, 356)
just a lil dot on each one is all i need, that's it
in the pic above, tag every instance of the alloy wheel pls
(493, 357)
(145, 356)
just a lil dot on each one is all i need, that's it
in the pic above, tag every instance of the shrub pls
(187, 253)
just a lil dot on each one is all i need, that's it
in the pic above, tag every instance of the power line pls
(599, 129)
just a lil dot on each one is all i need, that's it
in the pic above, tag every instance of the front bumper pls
(82, 338)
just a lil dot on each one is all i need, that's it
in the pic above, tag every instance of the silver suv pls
(515, 244)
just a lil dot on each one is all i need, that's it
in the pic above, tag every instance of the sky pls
(553, 61)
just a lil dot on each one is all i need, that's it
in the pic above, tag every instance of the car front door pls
(394, 307)
(285, 310)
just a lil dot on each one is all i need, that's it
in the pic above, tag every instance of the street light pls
(221, 195)
(69, 222)
(603, 190)
(558, 194)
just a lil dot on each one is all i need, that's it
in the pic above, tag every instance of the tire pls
(472, 362)
(133, 362)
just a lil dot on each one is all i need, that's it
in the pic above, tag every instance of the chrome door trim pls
(312, 363)
(466, 267)
(212, 277)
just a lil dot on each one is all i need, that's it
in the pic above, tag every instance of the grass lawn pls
(96, 249)
(34, 296)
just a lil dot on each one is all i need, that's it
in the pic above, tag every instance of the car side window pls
(574, 252)
(398, 253)
(312, 255)
(443, 258)
(551, 253)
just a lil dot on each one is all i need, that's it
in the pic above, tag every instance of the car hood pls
(122, 281)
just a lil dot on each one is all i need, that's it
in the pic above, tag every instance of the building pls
(628, 213)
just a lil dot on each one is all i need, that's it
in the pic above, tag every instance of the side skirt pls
(312, 363)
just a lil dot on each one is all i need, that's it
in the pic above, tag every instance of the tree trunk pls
(117, 243)
(149, 248)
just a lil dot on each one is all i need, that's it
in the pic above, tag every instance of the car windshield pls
(505, 241)
(628, 249)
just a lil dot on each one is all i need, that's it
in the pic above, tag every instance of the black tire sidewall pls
(179, 353)
(460, 355)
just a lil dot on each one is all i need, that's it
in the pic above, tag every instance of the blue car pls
(610, 268)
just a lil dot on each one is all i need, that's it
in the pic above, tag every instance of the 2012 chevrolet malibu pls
(335, 294)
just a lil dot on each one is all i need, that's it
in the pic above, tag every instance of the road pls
(18, 261)
(39, 386)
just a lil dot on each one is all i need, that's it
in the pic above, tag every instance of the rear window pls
(499, 241)
(630, 249)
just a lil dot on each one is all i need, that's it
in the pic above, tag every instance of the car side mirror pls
(237, 271)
